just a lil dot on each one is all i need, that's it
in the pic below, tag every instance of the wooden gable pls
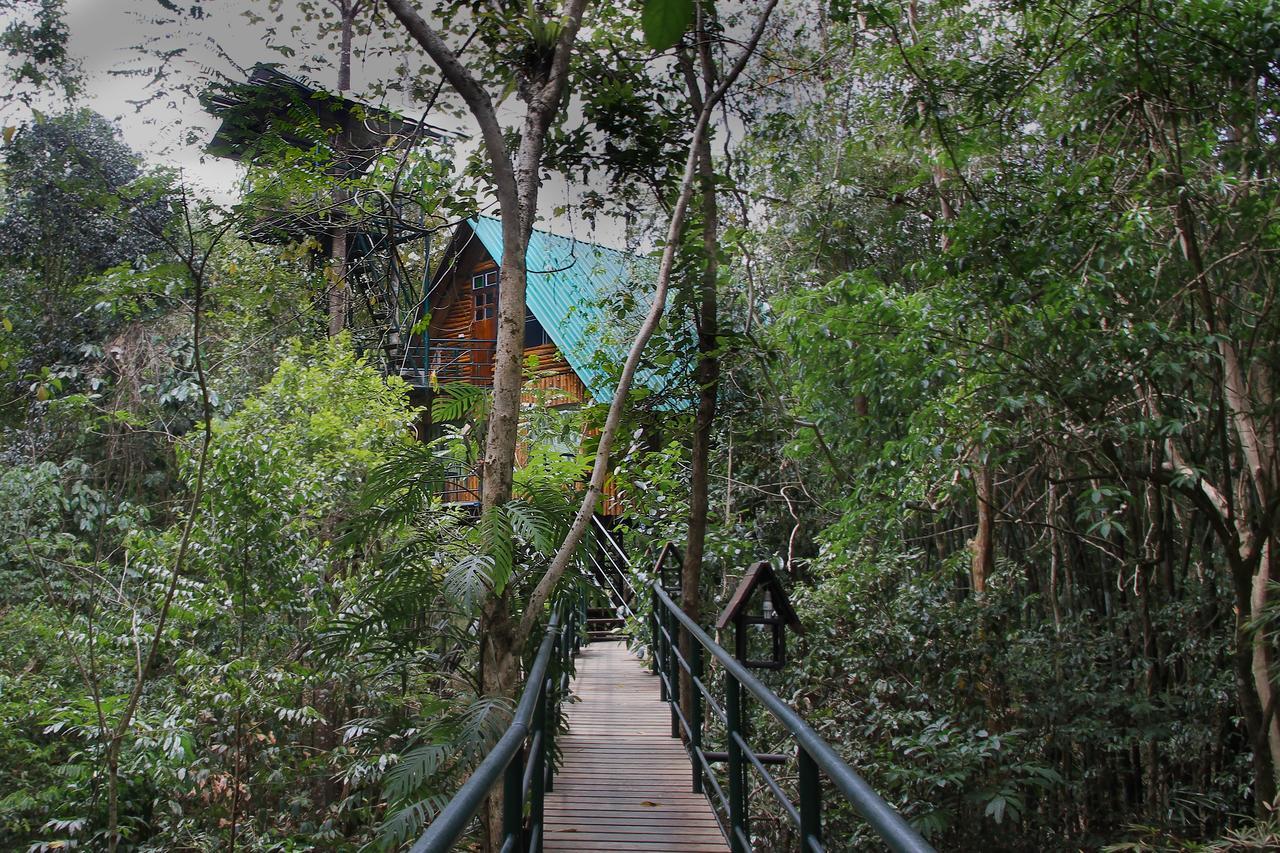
(760, 576)
(459, 349)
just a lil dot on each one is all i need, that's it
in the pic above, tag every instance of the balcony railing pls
(447, 360)
(461, 484)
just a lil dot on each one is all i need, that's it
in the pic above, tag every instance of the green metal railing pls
(523, 757)
(814, 758)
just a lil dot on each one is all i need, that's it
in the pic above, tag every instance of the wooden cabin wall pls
(553, 381)
(451, 308)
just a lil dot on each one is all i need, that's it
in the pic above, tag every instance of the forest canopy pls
(972, 311)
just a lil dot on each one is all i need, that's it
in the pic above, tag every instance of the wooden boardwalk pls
(625, 781)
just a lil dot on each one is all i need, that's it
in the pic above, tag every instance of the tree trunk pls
(983, 540)
(348, 12)
(1261, 664)
(508, 374)
(1251, 707)
(499, 675)
(339, 293)
(337, 277)
(113, 795)
(1246, 528)
(708, 376)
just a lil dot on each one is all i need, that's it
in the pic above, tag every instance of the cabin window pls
(486, 302)
(479, 281)
(534, 334)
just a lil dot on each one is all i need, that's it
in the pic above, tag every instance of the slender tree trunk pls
(516, 182)
(337, 278)
(1261, 664)
(1246, 527)
(499, 674)
(348, 13)
(500, 646)
(113, 793)
(984, 539)
(196, 262)
(560, 563)
(708, 377)
(1251, 707)
(508, 373)
(339, 292)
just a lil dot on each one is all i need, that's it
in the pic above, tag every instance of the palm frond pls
(531, 525)
(483, 723)
(469, 580)
(409, 821)
(416, 767)
(498, 543)
(458, 401)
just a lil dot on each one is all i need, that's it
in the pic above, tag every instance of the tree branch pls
(560, 563)
(471, 92)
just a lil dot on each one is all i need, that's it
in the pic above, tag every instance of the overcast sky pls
(117, 42)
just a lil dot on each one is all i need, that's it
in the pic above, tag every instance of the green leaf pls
(415, 769)
(665, 21)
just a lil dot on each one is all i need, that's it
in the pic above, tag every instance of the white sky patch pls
(118, 44)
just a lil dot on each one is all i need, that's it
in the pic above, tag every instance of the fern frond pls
(469, 580)
(458, 401)
(483, 723)
(498, 543)
(414, 769)
(409, 821)
(531, 525)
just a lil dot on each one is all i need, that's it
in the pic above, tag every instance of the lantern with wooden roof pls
(760, 601)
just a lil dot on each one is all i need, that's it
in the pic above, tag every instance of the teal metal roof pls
(589, 298)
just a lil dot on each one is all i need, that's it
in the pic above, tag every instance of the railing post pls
(512, 800)
(673, 671)
(695, 717)
(738, 832)
(539, 776)
(810, 802)
(655, 620)
(579, 619)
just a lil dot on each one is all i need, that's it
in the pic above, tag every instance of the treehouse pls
(273, 118)
(272, 112)
(433, 328)
(582, 302)
(272, 105)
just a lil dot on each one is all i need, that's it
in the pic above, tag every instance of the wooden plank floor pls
(625, 781)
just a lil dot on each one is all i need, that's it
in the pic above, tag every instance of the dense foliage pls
(1015, 358)
(996, 391)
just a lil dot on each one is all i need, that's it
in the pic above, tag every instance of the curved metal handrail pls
(813, 753)
(882, 818)
(535, 714)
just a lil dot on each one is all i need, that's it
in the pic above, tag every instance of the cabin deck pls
(625, 782)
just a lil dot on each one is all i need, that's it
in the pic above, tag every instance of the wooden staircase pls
(603, 624)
